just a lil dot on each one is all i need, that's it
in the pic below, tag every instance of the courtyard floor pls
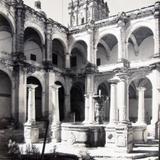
(140, 151)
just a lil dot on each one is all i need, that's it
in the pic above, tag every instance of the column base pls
(31, 133)
(119, 138)
(153, 130)
(55, 135)
(140, 132)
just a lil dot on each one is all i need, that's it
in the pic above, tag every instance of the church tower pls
(85, 11)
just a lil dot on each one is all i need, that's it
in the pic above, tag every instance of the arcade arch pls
(33, 47)
(6, 36)
(107, 50)
(78, 56)
(58, 53)
(141, 44)
(5, 96)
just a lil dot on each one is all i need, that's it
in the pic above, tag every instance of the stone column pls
(122, 98)
(141, 106)
(89, 103)
(55, 104)
(157, 30)
(31, 104)
(68, 61)
(113, 103)
(31, 131)
(122, 51)
(154, 77)
(55, 121)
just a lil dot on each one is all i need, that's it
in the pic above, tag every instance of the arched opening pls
(79, 56)
(77, 101)
(33, 48)
(141, 44)
(61, 101)
(5, 36)
(133, 99)
(5, 99)
(107, 50)
(38, 97)
(58, 55)
(104, 88)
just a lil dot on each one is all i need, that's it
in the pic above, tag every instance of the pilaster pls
(49, 81)
(20, 94)
(48, 44)
(157, 30)
(20, 18)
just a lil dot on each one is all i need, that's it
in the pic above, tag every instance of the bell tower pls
(85, 11)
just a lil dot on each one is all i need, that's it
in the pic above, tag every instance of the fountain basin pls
(83, 135)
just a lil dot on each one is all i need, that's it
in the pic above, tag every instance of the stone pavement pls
(140, 151)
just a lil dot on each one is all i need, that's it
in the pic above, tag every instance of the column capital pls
(141, 88)
(114, 80)
(55, 86)
(32, 86)
(157, 9)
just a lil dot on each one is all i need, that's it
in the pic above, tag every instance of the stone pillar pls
(154, 76)
(141, 106)
(20, 18)
(119, 135)
(140, 134)
(31, 131)
(49, 42)
(68, 63)
(89, 102)
(157, 30)
(113, 103)
(122, 50)
(49, 81)
(55, 121)
(67, 99)
(20, 94)
(31, 104)
(122, 98)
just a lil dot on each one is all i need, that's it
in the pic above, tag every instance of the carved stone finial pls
(122, 19)
(157, 9)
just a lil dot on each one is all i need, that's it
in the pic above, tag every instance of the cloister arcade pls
(64, 69)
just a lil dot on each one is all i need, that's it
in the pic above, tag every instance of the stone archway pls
(5, 99)
(78, 59)
(77, 101)
(38, 97)
(61, 101)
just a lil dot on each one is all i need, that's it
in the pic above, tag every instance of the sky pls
(58, 9)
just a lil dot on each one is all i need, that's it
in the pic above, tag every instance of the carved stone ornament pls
(157, 9)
